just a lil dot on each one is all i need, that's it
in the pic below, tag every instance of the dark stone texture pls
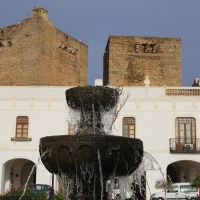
(92, 103)
(91, 159)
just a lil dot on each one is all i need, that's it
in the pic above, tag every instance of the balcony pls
(184, 145)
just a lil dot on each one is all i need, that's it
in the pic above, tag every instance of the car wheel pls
(160, 198)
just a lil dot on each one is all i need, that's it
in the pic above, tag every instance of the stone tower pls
(129, 59)
(35, 52)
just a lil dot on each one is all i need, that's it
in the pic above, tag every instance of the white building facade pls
(27, 114)
(166, 119)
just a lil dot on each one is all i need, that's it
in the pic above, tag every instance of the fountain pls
(90, 157)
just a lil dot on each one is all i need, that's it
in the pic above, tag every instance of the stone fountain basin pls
(72, 154)
(92, 98)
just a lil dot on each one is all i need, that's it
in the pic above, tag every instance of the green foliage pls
(195, 182)
(60, 195)
(14, 193)
(2, 197)
(40, 196)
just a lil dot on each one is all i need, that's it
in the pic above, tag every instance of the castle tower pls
(35, 52)
(129, 59)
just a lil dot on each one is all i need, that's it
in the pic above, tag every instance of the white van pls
(179, 191)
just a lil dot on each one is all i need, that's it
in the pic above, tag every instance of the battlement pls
(129, 59)
(35, 52)
(40, 12)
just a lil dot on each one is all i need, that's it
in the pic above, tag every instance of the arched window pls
(22, 127)
(129, 127)
(185, 128)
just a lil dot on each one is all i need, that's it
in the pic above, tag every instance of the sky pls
(92, 21)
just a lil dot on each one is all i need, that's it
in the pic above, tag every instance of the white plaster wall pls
(46, 108)
(48, 114)
(155, 116)
(98, 82)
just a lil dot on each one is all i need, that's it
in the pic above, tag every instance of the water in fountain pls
(34, 166)
(91, 157)
(148, 163)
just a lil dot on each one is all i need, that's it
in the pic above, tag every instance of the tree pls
(163, 184)
(121, 103)
(195, 182)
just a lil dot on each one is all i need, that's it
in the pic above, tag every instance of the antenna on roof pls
(36, 4)
(28, 13)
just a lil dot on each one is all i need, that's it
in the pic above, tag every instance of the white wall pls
(155, 115)
(47, 111)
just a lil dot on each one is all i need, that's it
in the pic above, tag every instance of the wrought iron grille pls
(184, 145)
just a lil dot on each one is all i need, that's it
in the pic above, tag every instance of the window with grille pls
(129, 127)
(185, 128)
(71, 129)
(22, 127)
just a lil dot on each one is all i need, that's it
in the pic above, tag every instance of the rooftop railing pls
(182, 91)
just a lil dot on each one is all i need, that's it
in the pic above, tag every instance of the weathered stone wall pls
(129, 59)
(35, 52)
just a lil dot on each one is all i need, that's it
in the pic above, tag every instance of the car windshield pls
(187, 188)
(184, 188)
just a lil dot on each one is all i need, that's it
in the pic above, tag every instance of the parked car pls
(42, 188)
(179, 191)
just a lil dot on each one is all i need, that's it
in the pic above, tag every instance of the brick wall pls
(35, 52)
(129, 59)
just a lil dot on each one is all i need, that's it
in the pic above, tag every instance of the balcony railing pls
(20, 139)
(182, 91)
(184, 145)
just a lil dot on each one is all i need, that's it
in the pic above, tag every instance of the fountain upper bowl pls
(92, 98)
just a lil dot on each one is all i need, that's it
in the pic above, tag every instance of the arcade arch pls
(182, 171)
(16, 172)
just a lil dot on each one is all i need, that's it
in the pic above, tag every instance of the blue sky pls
(92, 21)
